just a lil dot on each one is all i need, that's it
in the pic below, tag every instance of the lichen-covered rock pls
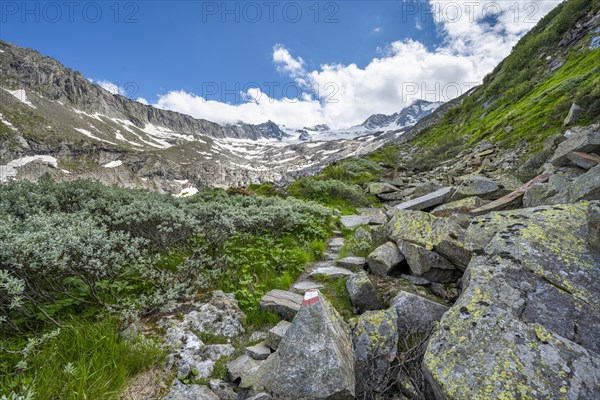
(594, 225)
(362, 293)
(384, 258)
(416, 314)
(585, 187)
(381, 187)
(528, 320)
(282, 302)
(536, 195)
(459, 206)
(480, 186)
(428, 264)
(432, 233)
(375, 339)
(583, 139)
(314, 360)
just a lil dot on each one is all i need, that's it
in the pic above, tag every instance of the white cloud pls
(287, 64)
(406, 70)
(142, 100)
(109, 86)
(378, 29)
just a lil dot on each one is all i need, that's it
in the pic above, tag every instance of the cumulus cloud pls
(287, 64)
(109, 86)
(142, 100)
(476, 36)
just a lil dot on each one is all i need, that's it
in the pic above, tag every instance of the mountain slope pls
(84, 131)
(406, 117)
(529, 94)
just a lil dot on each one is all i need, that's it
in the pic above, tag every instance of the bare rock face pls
(528, 321)
(314, 360)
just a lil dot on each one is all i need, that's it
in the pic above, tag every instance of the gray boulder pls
(428, 264)
(381, 187)
(424, 189)
(362, 293)
(528, 310)
(275, 334)
(314, 360)
(352, 263)
(384, 258)
(376, 216)
(429, 200)
(585, 187)
(581, 139)
(375, 339)
(583, 160)
(241, 367)
(331, 272)
(459, 206)
(445, 236)
(223, 390)
(535, 195)
(282, 302)
(416, 314)
(260, 396)
(482, 187)
(304, 286)
(573, 116)
(179, 391)
(259, 351)
(220, 316)
(352, 221)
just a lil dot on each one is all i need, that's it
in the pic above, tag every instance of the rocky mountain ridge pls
(50, 112)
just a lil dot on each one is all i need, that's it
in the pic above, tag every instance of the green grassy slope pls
(529, 94)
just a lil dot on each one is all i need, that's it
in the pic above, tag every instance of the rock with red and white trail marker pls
(314, 360)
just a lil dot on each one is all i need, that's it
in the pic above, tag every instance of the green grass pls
(220, 369)
(337, 294)
(523, 92)
(87, 360)
(211, 338)
(263, 264)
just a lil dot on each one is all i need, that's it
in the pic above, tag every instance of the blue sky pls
(173, 53)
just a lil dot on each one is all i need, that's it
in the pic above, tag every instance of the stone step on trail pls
(352, 263)
(304, 286)
(282, 302)
(331, 272)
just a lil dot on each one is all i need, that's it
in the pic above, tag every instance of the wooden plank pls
(511, 198)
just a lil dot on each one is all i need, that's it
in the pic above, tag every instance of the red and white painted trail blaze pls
(310, 297)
